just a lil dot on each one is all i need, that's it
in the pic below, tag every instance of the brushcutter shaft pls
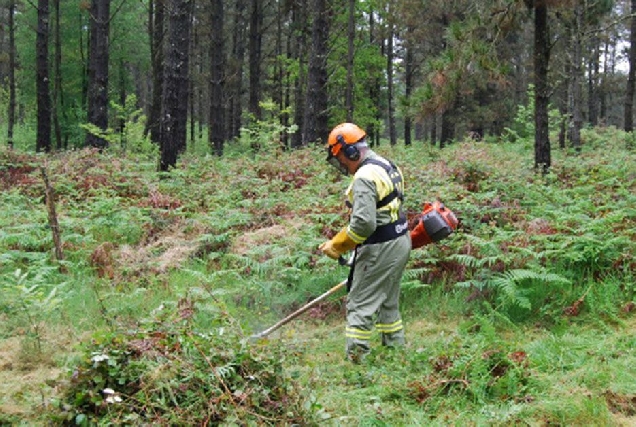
(301, 310)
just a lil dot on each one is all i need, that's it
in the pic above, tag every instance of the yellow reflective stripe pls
(357, 337)
(387, 331)
(391, 327)
(355, 237)
(357, 333)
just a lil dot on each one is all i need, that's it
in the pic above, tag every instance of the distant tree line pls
(409, 70)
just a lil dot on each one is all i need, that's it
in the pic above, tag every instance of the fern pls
(473, 262)
(510, 290)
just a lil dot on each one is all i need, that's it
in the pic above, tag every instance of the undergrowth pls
(184, 365)
(534, 257)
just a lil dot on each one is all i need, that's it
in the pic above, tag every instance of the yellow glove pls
(337, 246)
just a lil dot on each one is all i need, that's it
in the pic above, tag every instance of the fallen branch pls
(50, 205)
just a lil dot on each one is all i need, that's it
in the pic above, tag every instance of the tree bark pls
(156, 29)
(58, 103)
(316, 120)
(175, 94)
(631, 75)
(389, 73)
(408, 87)
(577, 75)
(194, 67)
(43, 138)
(53, 223)
(541, 58)
(299, 21)
(447, 126)
(217, 79)
(594, 80)
(122, 101)
(12, 65)
(255, 46)
(351, 34)
(372, 128)
(234, 81)
(97, 108)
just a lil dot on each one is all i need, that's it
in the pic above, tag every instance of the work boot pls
(357, 355)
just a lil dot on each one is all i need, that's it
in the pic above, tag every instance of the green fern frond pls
(509, 292)
(415, 273)
(508, 284)
(412, 285)
(474, 262)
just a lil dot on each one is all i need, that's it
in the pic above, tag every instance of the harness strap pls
(383, 233)
(396, 179)
(387, 232)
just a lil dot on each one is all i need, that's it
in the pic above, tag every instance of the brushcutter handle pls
(300, 311)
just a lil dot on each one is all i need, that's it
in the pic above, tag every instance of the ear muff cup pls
(351, 152)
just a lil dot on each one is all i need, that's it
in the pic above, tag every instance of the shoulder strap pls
(394, 175)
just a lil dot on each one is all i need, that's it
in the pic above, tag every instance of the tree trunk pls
(255, 46)
(278, 74)
(97, 107)
(12, 65)
(373, 93)
(52, 214)
(82, 21)
(43, 138)
(122, 101)
(602, 109)
(299, 24)
(194, 48)
(593, 80)
(577, 74)
(234, 83)
(351, 34)
(217, 79)
(541, 59)
(174, 121)
(316, 119)
(631, 75)
(156, 32)
(4, 72)
(408, 87)
(58, 103)
(389, 76)
(447, 129)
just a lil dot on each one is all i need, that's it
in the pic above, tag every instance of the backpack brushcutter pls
(436, 222)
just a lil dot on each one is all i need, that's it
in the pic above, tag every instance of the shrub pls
(165, 371)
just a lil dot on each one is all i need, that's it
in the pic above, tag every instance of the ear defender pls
(351, 152)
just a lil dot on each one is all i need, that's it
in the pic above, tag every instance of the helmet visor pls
(333, 161)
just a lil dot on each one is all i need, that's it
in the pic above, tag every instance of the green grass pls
(523, 317)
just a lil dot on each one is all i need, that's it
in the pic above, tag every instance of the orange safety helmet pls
(342, 135)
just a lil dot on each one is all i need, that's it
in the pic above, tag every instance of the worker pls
(377, 233)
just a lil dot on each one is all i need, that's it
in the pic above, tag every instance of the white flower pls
(111, 396)
(99, 357)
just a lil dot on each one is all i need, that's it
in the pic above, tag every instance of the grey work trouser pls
(374, 296)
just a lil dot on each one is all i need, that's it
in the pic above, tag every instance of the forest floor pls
(238, 237)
